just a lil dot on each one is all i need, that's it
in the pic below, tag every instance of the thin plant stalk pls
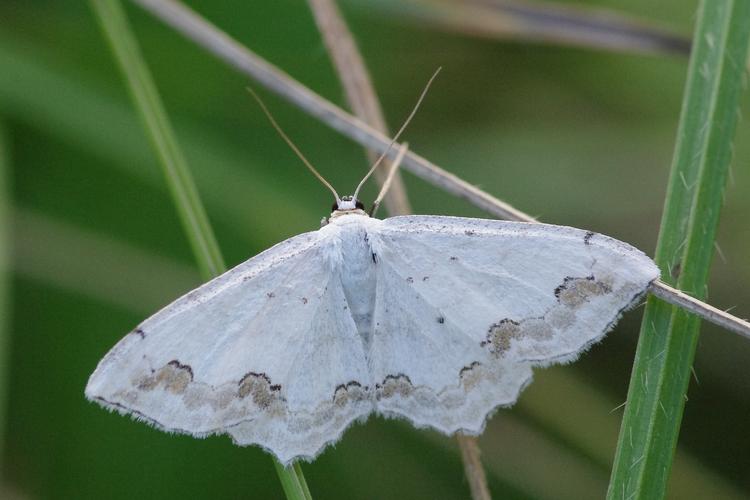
(666, 347)
(555, 23)
(113, 21)
(359, 91)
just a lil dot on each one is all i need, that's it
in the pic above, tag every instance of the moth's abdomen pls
(358, 278)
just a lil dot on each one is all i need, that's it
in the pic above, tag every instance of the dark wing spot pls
(270, 295)
(394, 384)
(410, 280)
(255, 375)
(374, 258)
(349, 392)
(575, 291)
(140, 333)
(470, 367)
(454, 259)
(587, 237)
(173, 377)
(441, 320)
(396, 377)
(176, 364)
(568, 282)
(500, 335)
(258, 387)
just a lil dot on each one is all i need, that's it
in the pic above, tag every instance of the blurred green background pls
(575, 136)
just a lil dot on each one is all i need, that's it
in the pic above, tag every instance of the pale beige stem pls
(359, 90)
(470, 454)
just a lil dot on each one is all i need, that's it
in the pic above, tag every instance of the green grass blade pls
(302, 482)
(143, 91)
(111, 16)
(4, 280)
(666, 347)
(292, 481)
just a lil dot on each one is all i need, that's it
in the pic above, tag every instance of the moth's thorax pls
(350, 211)
(358, 244)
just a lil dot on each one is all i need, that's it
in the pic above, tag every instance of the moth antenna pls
(398, 134)
(291, 144)
(388, 180)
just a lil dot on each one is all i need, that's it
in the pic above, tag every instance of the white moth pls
(438, 320)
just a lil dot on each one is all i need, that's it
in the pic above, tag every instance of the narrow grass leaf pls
(666, 347)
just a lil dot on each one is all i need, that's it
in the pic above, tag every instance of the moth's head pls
(347, 203)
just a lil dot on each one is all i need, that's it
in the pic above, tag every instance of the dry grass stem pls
(359, 90)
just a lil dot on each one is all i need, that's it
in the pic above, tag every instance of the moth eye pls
(334, 207)
(359, 205)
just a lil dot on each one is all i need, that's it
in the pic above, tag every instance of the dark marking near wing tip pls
(270, 295)
(588, 236)
(469, 232)
(441, 320)
(275, 387)
(410, 280)
(374, 258)
(304, 300)
(180, 366)
(454, 258)
(425, 278)
(140, 332)
(567, 281)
